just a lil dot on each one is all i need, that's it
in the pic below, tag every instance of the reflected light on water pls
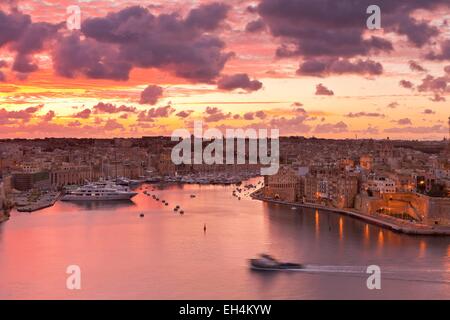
(317, 221)
(422, 248)
(341, 228)
(380, 238)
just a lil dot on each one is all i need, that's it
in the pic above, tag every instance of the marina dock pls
(43, 202)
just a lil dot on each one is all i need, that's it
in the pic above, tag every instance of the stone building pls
(286, 185)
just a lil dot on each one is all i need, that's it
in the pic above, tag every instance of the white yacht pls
(99, 192)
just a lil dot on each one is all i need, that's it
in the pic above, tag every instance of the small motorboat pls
(193, 196)
(267, 263)
(294, 208)
(142, 215)
(181, 212)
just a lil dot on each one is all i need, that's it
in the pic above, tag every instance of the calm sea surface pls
(168, 256)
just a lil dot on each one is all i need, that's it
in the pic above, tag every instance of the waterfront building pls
(286, 185)
(2, 196)
(26, 181)
(70, 175)
(380, 185)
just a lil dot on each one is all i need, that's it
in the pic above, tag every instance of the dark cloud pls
(406, 84)
(24, 64)
(74, 124)
(48, 116)
(435, 84)
(184, 114)
(443, 54)
(24, 115)
(207, 17)
(404, 122)
(134, 37)
(261, 115)
(111, 108)
(393, 105)
(12, 26)
(85, 114)
(428, 111)
(447, 70)
(255, 26)
(154, 113)
(24, 38)
(414, 66)
(239, 81)
(249, 116)
(151, 95)
(330, 29)
(321, 90)
(214, 114)
(34, 36)
(331, 127)
(290, 125)
(252, 9)
(112, 125)
(365, 114)
(418, 130)
(437, 98)
(73, 56)
(2, 77)
(418, 32)
(325, 67)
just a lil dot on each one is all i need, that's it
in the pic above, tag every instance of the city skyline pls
(141, 68)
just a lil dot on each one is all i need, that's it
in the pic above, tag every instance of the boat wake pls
(414, 275)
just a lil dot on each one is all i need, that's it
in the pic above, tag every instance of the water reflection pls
(95, 205)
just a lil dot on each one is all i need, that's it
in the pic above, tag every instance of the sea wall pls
(429, 210)
(3, 217)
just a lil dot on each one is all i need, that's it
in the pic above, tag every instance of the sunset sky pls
(306, 67)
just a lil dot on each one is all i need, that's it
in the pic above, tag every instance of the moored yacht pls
(99, 192)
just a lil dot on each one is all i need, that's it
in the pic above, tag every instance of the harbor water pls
(143, 249)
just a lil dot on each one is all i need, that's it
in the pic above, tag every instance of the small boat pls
(166, 204)
(181, 212)
(193, 196)
(294, 208)
(142, 215)
(267, 263)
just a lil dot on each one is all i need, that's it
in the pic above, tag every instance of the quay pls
(40, 204)
(3, 217)
(385, 222)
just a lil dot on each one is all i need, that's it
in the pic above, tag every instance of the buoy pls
(142, 215)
